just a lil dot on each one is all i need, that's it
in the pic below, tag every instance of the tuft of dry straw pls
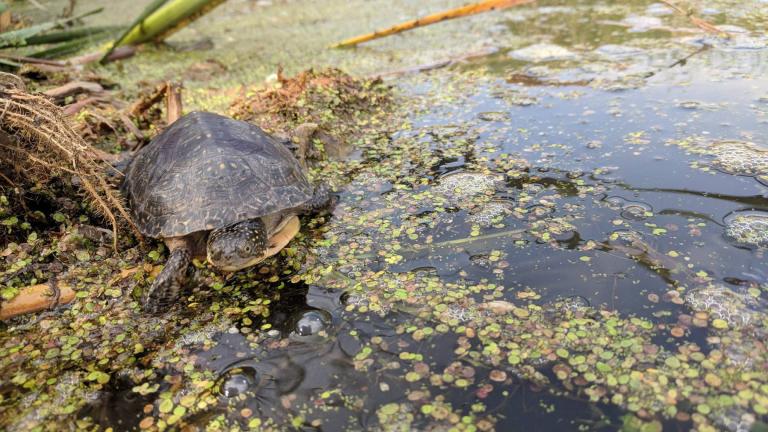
(42, 144)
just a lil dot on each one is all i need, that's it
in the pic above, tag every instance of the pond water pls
(567, 234)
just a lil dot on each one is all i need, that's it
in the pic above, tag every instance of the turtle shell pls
(208, 171)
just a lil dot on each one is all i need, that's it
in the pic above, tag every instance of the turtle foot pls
(168, 284)
(322, 201)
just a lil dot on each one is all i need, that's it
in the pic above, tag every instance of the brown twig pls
(470, 9)
(72, 88)
(74, 108)
(173, 106)
(36, 298)
(147, 101)
(31, 60)
(117, 54)
(698, 22)
(438, 64)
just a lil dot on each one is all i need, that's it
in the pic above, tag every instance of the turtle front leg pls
(169, 283)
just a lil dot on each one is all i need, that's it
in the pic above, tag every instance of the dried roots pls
(37, 143)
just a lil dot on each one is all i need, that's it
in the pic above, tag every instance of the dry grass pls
(327, 97)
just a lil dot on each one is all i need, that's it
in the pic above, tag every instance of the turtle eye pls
(247, 249)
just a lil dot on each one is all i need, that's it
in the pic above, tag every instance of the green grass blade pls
(172, 15)
(19, 37)
(72, 46)
(151, 8)
(9, 64)
(68, 35)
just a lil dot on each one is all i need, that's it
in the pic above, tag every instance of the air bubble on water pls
(739, 157)
(631, 210)
(310, 323)
(237, 381)
(739, 309)
(491, 212)
(461, 186)
(747, 228)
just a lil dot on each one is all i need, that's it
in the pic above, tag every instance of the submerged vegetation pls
(567, 232)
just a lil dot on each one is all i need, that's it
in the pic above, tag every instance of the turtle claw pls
(168, 284)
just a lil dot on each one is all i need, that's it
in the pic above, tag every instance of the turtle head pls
(238, 246)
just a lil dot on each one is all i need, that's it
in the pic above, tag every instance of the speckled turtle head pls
(238, 246)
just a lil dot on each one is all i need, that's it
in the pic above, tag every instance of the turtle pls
(216, 189)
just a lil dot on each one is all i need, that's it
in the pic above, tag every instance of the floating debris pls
(618, 52)
(493, 116)
(543, 53)
(641, 23)
(631, 210)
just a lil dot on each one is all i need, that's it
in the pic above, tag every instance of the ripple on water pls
(747, 228)
(631, 210)
(641, 23)
(658, 9)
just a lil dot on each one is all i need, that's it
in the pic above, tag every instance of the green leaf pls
(19, 37)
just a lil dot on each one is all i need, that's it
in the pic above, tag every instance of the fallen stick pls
(32, 60)
(470, 9)
(129, 125)
(147, 101)
(72, 88)
(698, 22)
(173, 107)
(74, 108)
(117, 54)
(36, 298)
